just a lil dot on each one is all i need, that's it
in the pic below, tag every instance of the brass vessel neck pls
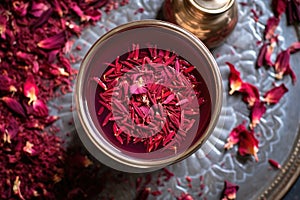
(208, 6)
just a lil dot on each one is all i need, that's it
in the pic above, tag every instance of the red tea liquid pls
(149, 88)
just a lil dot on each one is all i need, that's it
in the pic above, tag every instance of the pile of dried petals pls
(35, 67)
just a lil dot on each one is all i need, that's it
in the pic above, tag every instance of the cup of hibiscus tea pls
(148, 94)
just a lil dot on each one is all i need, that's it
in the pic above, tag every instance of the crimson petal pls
(234, 136)
(235, 81)
(14, 105)
(229, 191)
(274, 95)
(248, 144)
(257, 111)
(54, 42)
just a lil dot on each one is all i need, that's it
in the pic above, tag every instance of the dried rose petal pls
(274, 95)
(7, 84)
(295, 47)
(28, 148)
(270, 28)
(250, 94)
(14, 105)
(282, 66)
(257, 111)
(40, 108)
(248, 144)
(235, 81)
(264, 56)
(229, 191)
(293, 11)
(234, 136)
(38, 8)
(54, 42)
(274, 163)
(185, 196)
(30, 89)
(279, 7)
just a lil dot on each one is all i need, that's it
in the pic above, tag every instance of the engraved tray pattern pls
(278, 130)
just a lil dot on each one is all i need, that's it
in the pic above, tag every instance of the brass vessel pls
(210, 20)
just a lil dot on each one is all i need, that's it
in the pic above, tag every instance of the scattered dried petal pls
(274, 95)
(235, 81)
(270, 28)
(274, 163)
(279, 7)
(248, 144)
(235, 135)
(282, 66)
(229, 191)
(250, 94)
(294, 48)
(257, 111)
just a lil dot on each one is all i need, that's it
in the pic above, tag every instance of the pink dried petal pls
(257, 111)
(20, 8)
(7, 84)
(293, 11)
(28, 148)
(282, 66)
(42, 19)
(279, 7)
(38, 8)
(92, 14)
(274, 163)
(40, 108)
(54, 42)
(250, 94)
(234, 136)
(270, 28)
(248, 144)
(265, 53)
(185, 196)
(235, 81)
(274, 95)
(229, 191)
(14, 105)
(294, 48)
(30, 89)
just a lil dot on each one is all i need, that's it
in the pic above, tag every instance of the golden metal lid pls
(212, 6)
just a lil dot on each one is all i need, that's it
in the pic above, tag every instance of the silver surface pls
(276, 132)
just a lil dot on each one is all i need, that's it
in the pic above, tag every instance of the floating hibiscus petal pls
(54, 42)
(235, 81)
(248, 144)
(30, 89)
(271, 26)
(250, 94)
(234, 136)
(279, 7)
(14, 105)
(274, 163)
(257, 111)
(229, 191)
(274, 95)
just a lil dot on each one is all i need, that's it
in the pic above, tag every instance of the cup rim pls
(87, 125)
